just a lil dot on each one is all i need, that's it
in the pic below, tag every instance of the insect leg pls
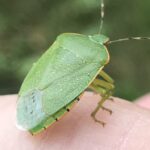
(105, 76)
(93, 114)
(97, 89)
(105, 89)
(105, 84)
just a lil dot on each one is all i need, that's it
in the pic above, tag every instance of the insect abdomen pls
(55, 117)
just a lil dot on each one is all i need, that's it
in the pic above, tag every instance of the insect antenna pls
(128, 39)
(102, 16)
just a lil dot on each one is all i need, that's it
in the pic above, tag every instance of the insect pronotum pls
(73, 63)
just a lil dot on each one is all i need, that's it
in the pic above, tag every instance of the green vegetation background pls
(28, 28)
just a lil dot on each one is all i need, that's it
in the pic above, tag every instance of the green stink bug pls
(72, 64)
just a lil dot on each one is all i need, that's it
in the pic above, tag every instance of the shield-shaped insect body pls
(63, 72)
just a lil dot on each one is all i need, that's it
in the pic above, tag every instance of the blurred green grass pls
(28, 28)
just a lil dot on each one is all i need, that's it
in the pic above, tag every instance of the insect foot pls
(106, 109)
(96, 120)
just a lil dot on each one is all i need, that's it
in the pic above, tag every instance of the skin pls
(127, 128)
